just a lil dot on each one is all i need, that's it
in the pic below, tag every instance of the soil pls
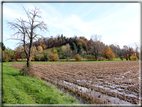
(115, 79)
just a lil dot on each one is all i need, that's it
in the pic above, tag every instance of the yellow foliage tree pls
(63, 48)
(108, 53)
(132, 57)
(40, 49)
(33, 49)
(55, 51)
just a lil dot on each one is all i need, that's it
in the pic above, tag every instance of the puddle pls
(116, 91)
(93, 93)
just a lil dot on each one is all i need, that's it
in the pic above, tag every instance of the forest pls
(62, 47)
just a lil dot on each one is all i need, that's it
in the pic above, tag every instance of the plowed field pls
(114, 79)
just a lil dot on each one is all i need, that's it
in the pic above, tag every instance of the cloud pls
(113, 23)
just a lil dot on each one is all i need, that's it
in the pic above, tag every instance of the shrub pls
(133, 58)
(6, 58)
(32, 58)
(60, 56)
(45, 57)
(101, 59)
(26, 71)
(90, 57)
(78, 58)
(38, 57)
(53, 57)
(40, 49)
(55, 51)
(122, 58)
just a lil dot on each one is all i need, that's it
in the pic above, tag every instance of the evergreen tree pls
(80, 48)
(73, 46)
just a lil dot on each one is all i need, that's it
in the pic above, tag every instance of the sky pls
(117, 23)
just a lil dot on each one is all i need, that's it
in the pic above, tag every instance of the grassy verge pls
(19, 89)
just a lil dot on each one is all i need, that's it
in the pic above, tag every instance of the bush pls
(45, 57)
(133, 58)
(38, 57)
(78, 58)
(101, 59)
(90, 57)
(40, 49)
(122, 58)
(53, 57)
(6, 58)
(55, 51)
(32, 58)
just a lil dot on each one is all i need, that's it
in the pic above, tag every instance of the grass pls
(19, 89)
(115, 60)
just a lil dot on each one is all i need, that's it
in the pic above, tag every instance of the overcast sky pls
(118, 23)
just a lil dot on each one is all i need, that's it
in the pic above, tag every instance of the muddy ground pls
(115, 79)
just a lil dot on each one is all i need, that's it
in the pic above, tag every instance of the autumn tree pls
(20, 48)
(66, 50)
(63, 48)
(26, 30)
(33, 50)
(108, 53)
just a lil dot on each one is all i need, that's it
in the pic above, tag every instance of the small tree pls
(73, 48)
(108, 53)
(40, 49)
(55, 51)
(33, 50)
(67, 52)
(63, 48)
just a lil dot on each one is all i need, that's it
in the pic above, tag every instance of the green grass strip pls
(19, 89)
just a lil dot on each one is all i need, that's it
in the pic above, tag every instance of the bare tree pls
(137, 49)
(97, 45)
(26, 30)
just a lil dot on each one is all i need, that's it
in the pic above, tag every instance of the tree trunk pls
(28, 61)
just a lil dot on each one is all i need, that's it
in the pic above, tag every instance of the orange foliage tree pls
(43, 46)
(108, 53)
